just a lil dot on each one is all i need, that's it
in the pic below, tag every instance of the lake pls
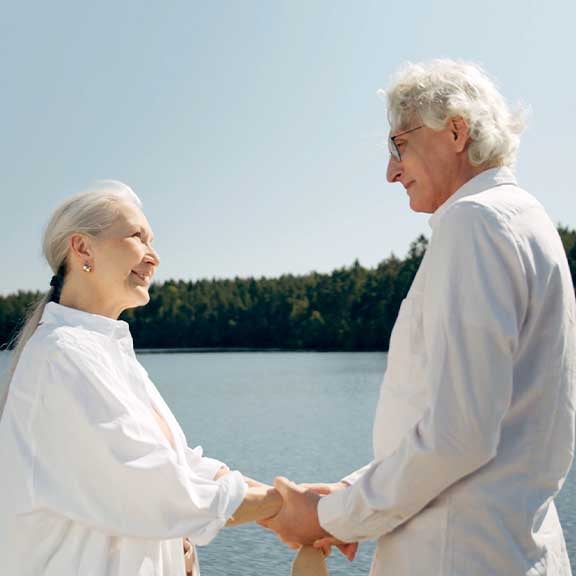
(307, 416)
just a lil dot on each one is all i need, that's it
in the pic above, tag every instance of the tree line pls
(352, 308)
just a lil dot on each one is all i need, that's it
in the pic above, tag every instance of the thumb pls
(284, 486)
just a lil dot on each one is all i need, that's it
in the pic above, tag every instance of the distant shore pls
(224, 350)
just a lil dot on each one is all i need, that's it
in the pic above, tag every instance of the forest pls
(352, 308)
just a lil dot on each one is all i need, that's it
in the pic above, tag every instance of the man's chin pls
(416, 206)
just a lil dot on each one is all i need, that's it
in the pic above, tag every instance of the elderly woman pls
(98, 478)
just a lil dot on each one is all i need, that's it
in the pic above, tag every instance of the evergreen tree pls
(352, 308)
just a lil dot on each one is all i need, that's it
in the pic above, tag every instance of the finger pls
(327, 541)
(289, 543)
(349, 549)
(325, 545)
(326, 550)
(285, 487)
(317, 489)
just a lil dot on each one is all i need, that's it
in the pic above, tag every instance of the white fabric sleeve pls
(353, 477)
(475, 298)
(202, 465)
(98, 460)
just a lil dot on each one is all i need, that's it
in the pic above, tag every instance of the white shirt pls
(91, 485)
(474, 429)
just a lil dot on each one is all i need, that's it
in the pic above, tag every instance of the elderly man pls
(474, 429)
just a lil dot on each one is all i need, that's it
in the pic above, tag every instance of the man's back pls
(498, 324)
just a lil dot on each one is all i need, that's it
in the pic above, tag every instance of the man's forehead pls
(402, 127)
(401, 122)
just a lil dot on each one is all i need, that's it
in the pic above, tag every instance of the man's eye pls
(137, 235)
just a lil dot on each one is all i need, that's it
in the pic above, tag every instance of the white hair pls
(443, 89)
(90, 213)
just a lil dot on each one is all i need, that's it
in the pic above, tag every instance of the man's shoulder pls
(502, 209)
(473, 214)
(503, 217)
(504, 203)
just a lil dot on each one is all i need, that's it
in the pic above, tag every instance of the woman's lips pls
(142, 278)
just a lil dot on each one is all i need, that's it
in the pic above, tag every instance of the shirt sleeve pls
(353, 477)
(99, 462)
(202, 465)
(475, 297)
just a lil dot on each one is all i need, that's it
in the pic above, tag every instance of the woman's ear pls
(81, 249)
(460, 132)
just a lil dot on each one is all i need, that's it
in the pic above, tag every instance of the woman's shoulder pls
(76, 362)
(52, 358)
(53, 344)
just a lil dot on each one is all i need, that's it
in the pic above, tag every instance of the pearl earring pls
(87, 267)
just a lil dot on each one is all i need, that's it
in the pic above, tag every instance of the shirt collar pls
(483, 181)
(65, 316)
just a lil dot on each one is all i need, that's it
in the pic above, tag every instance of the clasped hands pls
(297, 524)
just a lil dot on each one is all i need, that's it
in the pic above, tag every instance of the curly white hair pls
(439, 90)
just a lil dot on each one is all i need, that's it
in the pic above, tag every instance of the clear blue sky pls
(252, 130)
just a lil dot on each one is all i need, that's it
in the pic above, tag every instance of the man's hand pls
(348, 549)
(325, 488)
(297, 521)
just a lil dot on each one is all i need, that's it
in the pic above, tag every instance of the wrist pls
(222, 471)
(269, 502)
(260, 503)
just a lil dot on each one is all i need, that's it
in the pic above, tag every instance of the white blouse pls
(474, 428)
(91, 485)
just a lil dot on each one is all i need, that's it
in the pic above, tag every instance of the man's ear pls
(460, 132)
(81, 249)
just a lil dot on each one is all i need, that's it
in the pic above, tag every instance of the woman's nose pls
(153, 256)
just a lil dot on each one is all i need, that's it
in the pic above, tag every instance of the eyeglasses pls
(393, 147)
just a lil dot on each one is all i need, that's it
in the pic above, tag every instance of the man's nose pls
(394, 170)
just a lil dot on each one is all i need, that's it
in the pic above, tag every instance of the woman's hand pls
(255, 483)
(222, 471)
(188, 557)
(261, 502)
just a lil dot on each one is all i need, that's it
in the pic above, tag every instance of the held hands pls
(297, 522)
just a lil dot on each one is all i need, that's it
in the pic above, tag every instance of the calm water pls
(307, 416)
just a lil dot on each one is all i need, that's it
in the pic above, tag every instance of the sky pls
(252, 131)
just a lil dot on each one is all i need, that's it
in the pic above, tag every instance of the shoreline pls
(223, 350)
